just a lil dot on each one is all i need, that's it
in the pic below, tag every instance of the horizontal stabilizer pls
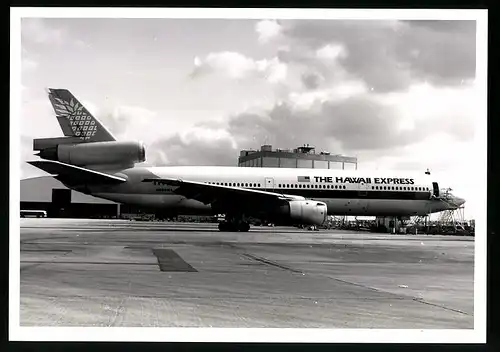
(75, 175)
(45, 143)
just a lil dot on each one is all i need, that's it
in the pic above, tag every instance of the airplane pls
(90, 160)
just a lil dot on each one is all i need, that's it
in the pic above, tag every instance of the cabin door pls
(362, 196)
(269, 184)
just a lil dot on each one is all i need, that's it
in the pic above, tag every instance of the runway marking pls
(271, 263)
(169, 260)
(400, 296)
(77, 262)
(45, 250)
(420, 300)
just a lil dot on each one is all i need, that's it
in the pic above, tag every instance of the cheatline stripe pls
(353, 194)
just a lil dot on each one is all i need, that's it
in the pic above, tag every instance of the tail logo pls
(81, 123)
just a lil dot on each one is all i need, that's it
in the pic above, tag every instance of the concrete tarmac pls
(133, 274)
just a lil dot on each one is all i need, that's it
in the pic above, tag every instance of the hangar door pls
(61, 201)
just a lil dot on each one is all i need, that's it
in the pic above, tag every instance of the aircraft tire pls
(223, 226)
(244, 227)
(227, 227)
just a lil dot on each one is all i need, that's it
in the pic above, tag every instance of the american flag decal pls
(303, 179)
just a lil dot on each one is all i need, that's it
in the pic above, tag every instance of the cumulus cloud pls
(268, 30)
(201, 145)
(392, 55)
(366, 87)
(127, 122)
(237, 66)
(351, 120)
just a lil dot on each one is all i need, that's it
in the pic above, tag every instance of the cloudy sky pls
(396, 94)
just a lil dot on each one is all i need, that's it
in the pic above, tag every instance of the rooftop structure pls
(304, 156)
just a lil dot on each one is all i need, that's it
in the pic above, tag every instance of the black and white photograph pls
(284, 175)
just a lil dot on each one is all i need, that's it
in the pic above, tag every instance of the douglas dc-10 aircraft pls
(90, 160)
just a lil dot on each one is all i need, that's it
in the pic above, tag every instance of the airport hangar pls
(47, 193)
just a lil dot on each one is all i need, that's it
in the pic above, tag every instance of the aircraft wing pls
(75, 175)
(227, 195)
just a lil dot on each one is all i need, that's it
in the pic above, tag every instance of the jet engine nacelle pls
(97, 153)
(309, 212)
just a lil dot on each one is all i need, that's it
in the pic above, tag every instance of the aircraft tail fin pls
(75, 120)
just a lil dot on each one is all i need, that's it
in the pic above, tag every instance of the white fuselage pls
(346, 192)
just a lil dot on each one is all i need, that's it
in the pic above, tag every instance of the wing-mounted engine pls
(96, 153)
(308, 212)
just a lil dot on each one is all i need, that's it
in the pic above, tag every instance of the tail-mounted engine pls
(96, 153)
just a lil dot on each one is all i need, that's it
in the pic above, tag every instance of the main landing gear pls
(234, 225)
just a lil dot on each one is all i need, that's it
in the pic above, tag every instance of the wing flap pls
(75, 175)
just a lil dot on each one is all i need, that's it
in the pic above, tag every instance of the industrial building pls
(48, 194)
(300, 157)
(45, 193)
